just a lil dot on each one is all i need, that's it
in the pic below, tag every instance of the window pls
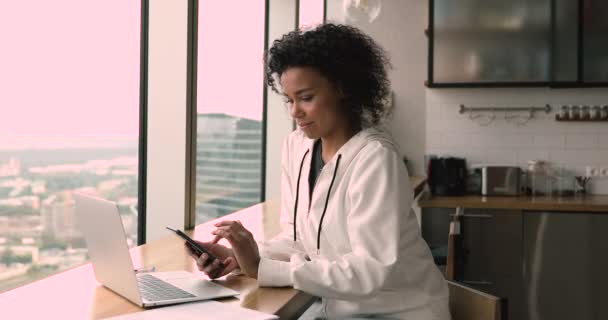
(229, 138)
(69, 115)
(311, 13)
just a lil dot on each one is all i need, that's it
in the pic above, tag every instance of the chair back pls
(467, 303)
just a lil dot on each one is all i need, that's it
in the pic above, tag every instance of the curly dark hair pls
(347, 57)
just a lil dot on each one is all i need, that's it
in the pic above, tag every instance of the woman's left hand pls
(243, 245)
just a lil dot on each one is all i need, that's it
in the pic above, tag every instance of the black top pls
(315, 166)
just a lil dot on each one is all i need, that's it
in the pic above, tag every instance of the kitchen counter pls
(522, 248)
(417, 183)
(588, 203)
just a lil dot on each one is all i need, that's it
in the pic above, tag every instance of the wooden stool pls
(467, 303)
(454, 241)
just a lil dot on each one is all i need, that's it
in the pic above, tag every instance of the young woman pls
(350, 236)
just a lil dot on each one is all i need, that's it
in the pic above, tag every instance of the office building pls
(58, 218)
(228, 164)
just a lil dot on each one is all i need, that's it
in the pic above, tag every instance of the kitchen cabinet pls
(580, 42)
(565, 262)
(565, 41)
(550, 265)
(518, 43)
(595, 41)
(492, 254)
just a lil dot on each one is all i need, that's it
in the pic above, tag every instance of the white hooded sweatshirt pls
(358, 247)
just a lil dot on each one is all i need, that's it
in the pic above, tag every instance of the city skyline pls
(51, 142)
(38, 234)
(37, 231)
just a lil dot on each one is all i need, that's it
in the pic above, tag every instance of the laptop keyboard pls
(154, 289)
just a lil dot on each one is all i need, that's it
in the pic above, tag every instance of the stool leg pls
(453, 241)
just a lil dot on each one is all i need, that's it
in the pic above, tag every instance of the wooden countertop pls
(74, 294)
(587, 203)
(418, 184)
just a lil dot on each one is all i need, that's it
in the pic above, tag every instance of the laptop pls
(100, 222)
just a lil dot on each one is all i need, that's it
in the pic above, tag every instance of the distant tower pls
(10, 169)
(228, 164)
(58, 217)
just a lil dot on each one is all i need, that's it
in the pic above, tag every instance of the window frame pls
(191, 105)
(191, 114)
(142, 141)
(143, 123)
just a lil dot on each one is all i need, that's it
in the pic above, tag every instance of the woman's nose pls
(295, 111)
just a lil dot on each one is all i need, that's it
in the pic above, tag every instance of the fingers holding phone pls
(209, 257)
(243, 244)
(215, 269)
(212, 267)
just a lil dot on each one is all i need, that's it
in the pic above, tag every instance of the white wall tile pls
(525, 155)
(574, 157)
(572, 145)
(458, 140)
(434, 140)
(501, 156)
(602, 141)
(602, 157)
(581, 141)
(550, 141)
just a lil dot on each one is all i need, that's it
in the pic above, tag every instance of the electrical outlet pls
(592, 171)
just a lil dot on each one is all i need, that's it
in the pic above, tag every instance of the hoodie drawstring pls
(325, 206)
(295, 207)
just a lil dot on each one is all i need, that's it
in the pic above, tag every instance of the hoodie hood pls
(353, 146)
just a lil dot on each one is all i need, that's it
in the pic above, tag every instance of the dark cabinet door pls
(565, 263)
(495, 43)
(565, 17)
(490, 41)
(492, 245)
(595, 41)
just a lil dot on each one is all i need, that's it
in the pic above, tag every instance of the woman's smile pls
(304, 125)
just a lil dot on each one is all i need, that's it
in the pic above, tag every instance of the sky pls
(311, 12)
(69, 69)
(230, 63)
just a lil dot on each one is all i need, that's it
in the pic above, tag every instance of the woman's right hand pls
(213, 270)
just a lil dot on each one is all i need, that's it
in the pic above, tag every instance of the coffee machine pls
(447, 176)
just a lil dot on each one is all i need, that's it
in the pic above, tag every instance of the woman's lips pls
(304, 124)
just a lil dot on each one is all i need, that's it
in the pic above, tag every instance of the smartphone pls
(196, 248)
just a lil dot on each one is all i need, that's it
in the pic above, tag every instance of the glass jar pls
(596, 114)
(565, 114)
(564, 184)
(575, 112)
(585, 113)
(539, 182)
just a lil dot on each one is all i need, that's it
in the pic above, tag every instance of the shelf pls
(579, 120)
(545, 84)
(439, 85)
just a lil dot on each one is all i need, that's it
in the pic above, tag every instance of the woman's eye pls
(306, 98)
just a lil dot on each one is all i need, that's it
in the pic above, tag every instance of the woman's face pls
(313, 102)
